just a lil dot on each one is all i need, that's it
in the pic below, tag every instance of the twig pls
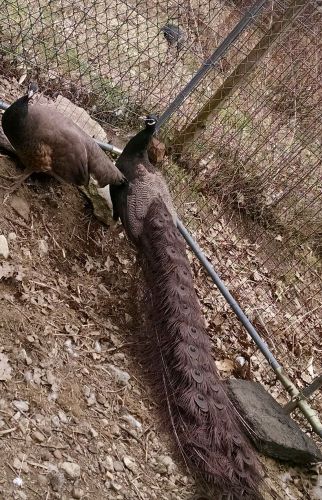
(7, 431)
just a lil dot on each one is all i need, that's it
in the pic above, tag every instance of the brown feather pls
(47, 141)
(205, 423)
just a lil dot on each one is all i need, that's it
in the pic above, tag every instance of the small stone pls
(118, 466)
(77, 493)
(121, 376)
(165, 464)
(93, 432)
(18, 481)
(4, 249)
(55, 421)
(20, 405)
(129, 463)
(20, 206)
(98, 347)
(72, 469)
(86, 391)
(12, 236)
(43, 247)
(91, 400)
(56, 480)
(116, 486)
(63, 417)
(45, 455)
(42, 479)
(132, 421)
(20, 465)
(108, 463)
(101, 399)
(38, 436)
(115, 430)
(119, 356)
(57, 454)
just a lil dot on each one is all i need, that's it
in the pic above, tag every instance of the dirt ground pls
(77, 416)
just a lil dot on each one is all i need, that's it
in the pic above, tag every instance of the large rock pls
(275, 433)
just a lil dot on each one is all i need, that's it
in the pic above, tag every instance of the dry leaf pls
(225, 365)
(22, 78)
(310, 368)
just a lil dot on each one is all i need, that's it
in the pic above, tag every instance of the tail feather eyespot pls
(200, 401)
(197, 376)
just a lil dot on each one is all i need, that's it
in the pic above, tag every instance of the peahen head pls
(32, 90)
(150, 122)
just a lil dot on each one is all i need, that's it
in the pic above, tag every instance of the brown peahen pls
(47, 141)
(205, 423)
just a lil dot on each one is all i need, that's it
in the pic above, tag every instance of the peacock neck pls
(139, 143)
(13, 119)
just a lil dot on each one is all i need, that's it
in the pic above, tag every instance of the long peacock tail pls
(204, 421)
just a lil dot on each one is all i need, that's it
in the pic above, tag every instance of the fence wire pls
(243, 150)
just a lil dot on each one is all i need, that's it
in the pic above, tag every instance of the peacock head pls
(32, 89)
(150, 121)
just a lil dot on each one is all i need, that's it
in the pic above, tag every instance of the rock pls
(20, 206)
(12, 236)
(20, 465)
(118, 466)
(56, 479)
(274, 432)
(115, 486)
(101, 399)
(4, 249)
(38, 436)
(71, 469)
(165, 464)
(132, 421)
(63, 417)
(5, 368)
(57, 454)
(100, 198)
(129, 463)
(119, 375)
(55, 421)
(45, 455)
(42, 480)
(77, 493)
(43, 247)
(115, 430)
(108, 463)
(21, 405)
(17, 481)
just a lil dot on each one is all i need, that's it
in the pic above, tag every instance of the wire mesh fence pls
(243, 149)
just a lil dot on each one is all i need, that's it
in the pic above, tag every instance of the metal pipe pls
(109, 147)
(304, 394)
(215, 57)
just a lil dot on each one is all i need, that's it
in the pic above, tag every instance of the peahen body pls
(47, 141)
(205, 423)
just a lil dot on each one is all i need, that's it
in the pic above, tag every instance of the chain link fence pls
(243, 148)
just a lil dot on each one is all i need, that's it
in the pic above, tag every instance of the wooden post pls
(243, 69)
